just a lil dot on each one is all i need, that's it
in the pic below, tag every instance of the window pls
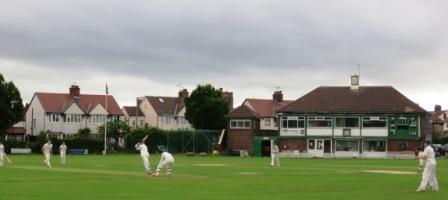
(292, 122)
(347, 145)
(319, 122)
(240, 124)
(133, 123)
(311, 144)
(141, 122)
(374, 146)
(114, 118)
(267, 121)
(181, 121)
(96, 119)
(347, 122)
(374, 122)
(72, 118)
(55, 118)
(166, 119)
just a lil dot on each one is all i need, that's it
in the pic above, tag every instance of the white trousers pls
(2, 159)
(275, 159)
(63, 158)
(146, 163)
(429, 177)
(165, 164)
(47, 159)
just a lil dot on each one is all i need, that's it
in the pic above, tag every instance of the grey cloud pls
(256, 43)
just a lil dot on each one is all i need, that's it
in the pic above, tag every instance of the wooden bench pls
(20, 151)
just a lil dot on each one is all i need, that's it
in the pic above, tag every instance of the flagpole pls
(105, 125)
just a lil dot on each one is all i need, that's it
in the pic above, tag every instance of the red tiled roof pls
(16, 131)
(166, 105)
(59, 102)
(267, 107)
(242, 111)
(434, 119)
(376, 99)
(132, 111)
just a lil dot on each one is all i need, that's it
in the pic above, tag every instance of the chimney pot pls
(75, 91)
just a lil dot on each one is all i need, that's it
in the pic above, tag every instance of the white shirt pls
(143, 149)
(166, 157)
(274, 149)
(47, 148)
(63, 149)
(430, 155)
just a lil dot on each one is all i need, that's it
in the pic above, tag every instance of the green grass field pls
(121, 177)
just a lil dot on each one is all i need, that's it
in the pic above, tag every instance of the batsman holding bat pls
(141, 146)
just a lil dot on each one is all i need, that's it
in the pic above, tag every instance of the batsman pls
(141, 146)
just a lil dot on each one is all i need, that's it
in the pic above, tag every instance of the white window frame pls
(320, 118)
(375, 118)
(267, 121)
(55, 118)
(292, 118)
(240, 124)
(167, 119)
(345, 117)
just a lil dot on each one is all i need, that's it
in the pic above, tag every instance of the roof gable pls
(242, 111)
(166, 105)
(377, 99)
(266, 107)
(132, 111)
(59, 102)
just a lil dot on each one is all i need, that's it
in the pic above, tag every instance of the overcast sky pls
(247, 47)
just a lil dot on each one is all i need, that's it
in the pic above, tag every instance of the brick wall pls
(240, 139)
(293, 144)
(394, 145)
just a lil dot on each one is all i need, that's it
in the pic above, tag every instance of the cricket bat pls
(146, 137)
(7, 159)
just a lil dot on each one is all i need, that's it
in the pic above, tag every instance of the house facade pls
(252, 125)
(65, 113)
(135, 118)
(166, 113)
(352, 121)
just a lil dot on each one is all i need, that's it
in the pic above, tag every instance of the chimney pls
(355, 83)
(438, 108)
(74, 91)
(277, 96)
(183, 94)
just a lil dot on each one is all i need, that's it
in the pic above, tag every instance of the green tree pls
(206, 107)
(115, 129)
(11, 107)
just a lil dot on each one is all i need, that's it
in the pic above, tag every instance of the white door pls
(316, 148)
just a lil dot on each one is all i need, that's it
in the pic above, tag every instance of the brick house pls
(252, 125)
(368, 121)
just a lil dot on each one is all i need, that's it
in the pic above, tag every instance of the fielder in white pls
(63, 152)
(46, 150)
(166, 161)
(429, 171)
(141, 146)
(274, 155)
(2, 154)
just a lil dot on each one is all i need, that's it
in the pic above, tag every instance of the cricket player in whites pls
(166, 161)
(2, 154)
(429, 170)
(274, 154)
(141, 146)
(47, 149)
(63, 152)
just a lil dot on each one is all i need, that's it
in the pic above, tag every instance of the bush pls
(13, 144)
